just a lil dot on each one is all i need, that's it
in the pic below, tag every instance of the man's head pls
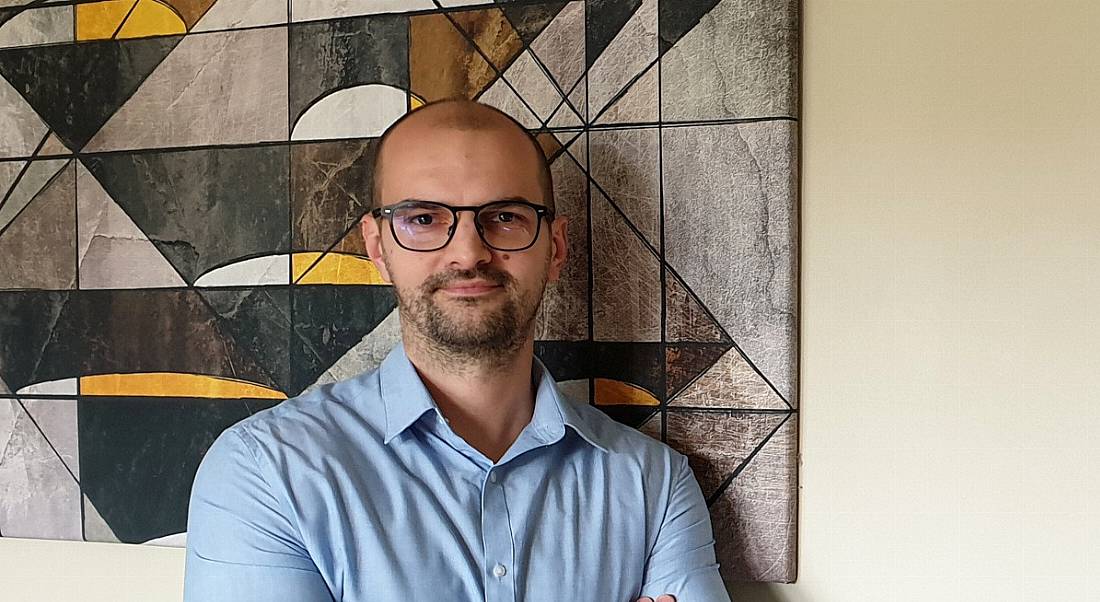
(463, 153)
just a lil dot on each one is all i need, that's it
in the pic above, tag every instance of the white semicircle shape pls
(257, 271)
(358, 112)
(64, 386)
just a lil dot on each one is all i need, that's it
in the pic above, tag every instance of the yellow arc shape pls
(616, 392)
(173, 384)
(334, 268)
(100, 20)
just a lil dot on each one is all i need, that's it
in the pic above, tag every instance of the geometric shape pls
(686, 362)
(631, 50)
(38, 249)
(356, 112)
(678, 17)
(624, 164)
(605, 20)
(367, 354)
(532, 85)
(244, 70)
(633, 416)
(173, 540)
(65, 386)
(172, 384)
(27, 327)
(328, 321)
(39, 496)
(138, 458)
(685, 318)
(550, 145)
(113, 251)
(333, 55)
(491, 32)
(237, 209)
(256, 271)
(238, 14)
(23, 128)
(637, 104)
(563, 313)
(741, 60)
(730, 383)
(35, 177)
(503, 96)
(530, 19)
(442, 62)
(626, 275)
(55, 419)
(95, 528)
(731, 234)
(76, 88)
(335, 268)
(640, 364)
(135, 331)
(53, 146)
(258, 320)
(616, 392)
(331, 187)
(565, 117)
(31, 27)
(126, 19)
(560, 47)
(759, 506)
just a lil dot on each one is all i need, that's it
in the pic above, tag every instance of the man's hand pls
(664, 598)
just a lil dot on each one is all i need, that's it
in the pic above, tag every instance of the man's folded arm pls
(682, 562)
(240, 544)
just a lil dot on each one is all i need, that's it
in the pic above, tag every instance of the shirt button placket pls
(497, 532)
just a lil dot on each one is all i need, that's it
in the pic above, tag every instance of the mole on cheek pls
(505, 257)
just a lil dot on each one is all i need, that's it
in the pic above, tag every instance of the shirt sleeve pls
(240, 545)
(682, 562)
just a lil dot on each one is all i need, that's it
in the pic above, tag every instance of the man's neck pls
(486, 403)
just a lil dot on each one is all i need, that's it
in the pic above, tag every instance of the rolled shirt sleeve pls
(240, 544)
(683, 562)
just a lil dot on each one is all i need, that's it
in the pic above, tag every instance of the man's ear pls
(372, 238)
(559, 250)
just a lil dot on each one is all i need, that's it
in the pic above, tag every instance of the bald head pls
(463, 115)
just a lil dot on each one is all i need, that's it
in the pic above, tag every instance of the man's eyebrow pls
(521, 199)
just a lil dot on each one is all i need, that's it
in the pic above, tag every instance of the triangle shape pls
(684, 363)
(367, 354)
(56, 419)
(23, 128)
(605, 21)
(730, 383)
(565, 117)
(54, 146)
(28, 183)
(443, 63)
(625, 274)
(560, 46)
(501, 96)
(38, 249)
(491, 32)
(113, 251)
(530, 19)
(677, 18)
(533, 86)
(578, 149)
(625, 164)
(685, 317)
(637, 103)
(76, 88)
(718, 444)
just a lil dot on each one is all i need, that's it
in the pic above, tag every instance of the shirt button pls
(493, 478)
(499, 570)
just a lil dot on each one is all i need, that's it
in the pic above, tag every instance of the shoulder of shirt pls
(619, 438)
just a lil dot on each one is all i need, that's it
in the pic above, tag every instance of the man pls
(456, 470)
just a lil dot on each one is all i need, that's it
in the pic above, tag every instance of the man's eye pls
(423, 219)
(505, 217)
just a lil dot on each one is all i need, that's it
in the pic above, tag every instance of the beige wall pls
(950, 270)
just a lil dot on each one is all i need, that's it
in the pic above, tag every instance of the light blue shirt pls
(360, 491)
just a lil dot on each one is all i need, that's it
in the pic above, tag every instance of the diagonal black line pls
(726, 483)
(23, 171)
(48, 442)
(21, 211)
(121, 23)
(626, 89)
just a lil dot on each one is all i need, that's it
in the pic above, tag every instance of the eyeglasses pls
(428, 226)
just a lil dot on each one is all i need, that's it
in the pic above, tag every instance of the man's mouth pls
(467, 289)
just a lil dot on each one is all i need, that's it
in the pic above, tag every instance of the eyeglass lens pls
(426, 226)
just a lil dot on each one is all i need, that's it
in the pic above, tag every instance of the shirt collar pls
(406, 399)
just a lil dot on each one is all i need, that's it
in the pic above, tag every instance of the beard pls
(482, 329)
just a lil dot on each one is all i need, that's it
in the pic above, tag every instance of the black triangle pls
(76, 88)
(530, 19)
(677, 17)
(685, 362)
(604, 20)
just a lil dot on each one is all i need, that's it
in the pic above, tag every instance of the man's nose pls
(466, 248)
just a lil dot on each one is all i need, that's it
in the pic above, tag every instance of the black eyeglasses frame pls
(540, 211)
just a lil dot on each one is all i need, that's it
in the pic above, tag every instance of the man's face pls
(467, 298)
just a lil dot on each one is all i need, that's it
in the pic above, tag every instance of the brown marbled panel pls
(38, 248)
(685, 362)
(730, 383)
(685, 317)
(756, 517)
(492, 32)
(626, 275)
(442, 62)
(330, 189)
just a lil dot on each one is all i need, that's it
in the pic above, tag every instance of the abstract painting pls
(180, 187)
